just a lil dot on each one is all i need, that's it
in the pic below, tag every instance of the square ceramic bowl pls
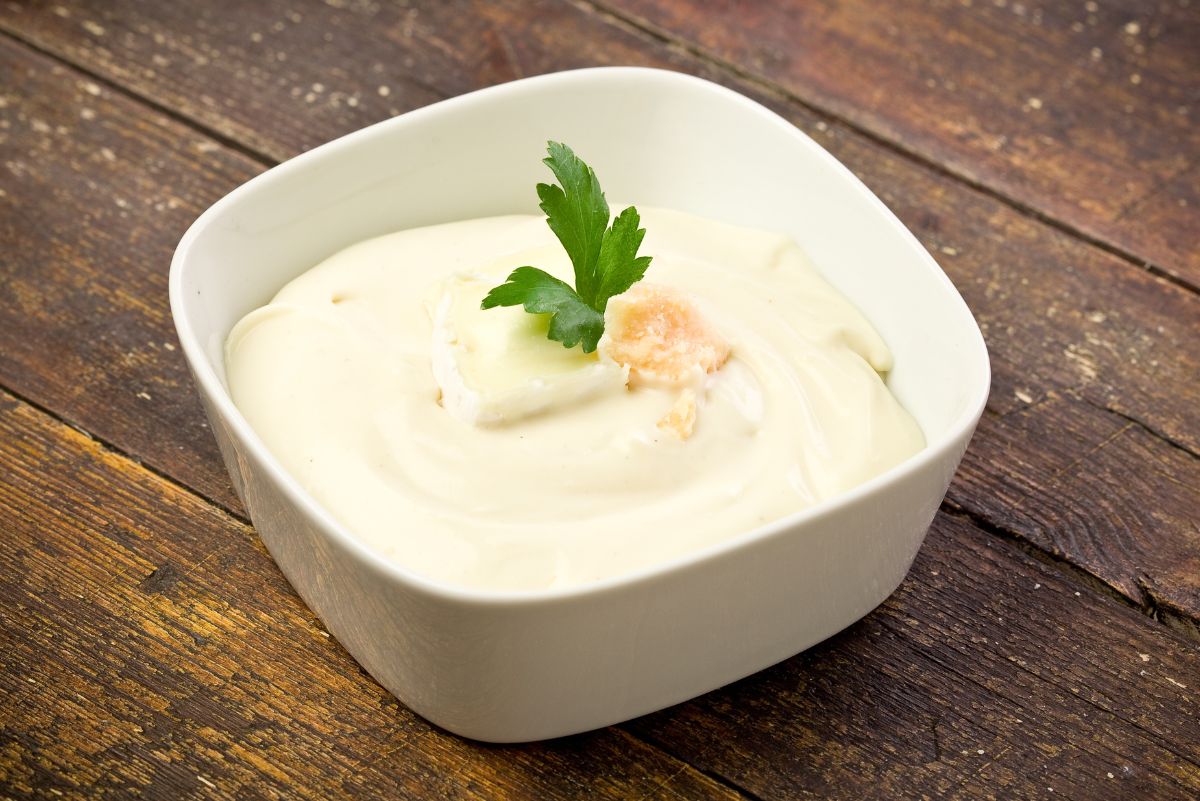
(515, 667)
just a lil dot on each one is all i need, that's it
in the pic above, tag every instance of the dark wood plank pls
(187, 662)
(326, 68)
(148, 646)
(96, 193)
(1060, 316)
(987, 675)
(1084, 111)
(1097, 490)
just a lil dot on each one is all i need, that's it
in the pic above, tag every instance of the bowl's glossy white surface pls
(522, 667)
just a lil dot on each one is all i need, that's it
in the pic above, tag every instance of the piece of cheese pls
(497, 366)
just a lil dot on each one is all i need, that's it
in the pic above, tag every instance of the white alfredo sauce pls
(335, 376)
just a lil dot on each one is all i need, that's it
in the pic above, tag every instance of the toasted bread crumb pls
(661, 335)
(680, 419)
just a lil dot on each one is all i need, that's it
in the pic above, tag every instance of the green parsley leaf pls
(577, 213)
(619, 265)
(571, 320)
(603, 257)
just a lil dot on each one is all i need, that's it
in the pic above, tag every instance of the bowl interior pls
(655, 138)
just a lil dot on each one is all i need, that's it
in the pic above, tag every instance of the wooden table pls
(1044, 644)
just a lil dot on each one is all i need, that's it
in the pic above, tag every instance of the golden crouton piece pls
(680, 419)
(661, 336)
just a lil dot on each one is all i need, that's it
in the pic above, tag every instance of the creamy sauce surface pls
(336, 376)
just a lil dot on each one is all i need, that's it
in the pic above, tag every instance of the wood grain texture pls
(987, 675)
(96, 194)
(1085, 111)
(151, 647)
(1008, 256)
(1094, 489)
(281, 78)
(1060, 316)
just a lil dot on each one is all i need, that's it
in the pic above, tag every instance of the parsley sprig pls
(603, 256)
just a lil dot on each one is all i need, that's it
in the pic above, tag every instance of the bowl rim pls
(211, 386)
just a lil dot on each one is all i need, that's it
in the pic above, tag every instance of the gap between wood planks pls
(985, 529)
(1137, 423)
(1150, 606)
(638, 26)
(117, 451)
(1178, 621)
(120, 89)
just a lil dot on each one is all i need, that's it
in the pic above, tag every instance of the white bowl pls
(515, 667)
